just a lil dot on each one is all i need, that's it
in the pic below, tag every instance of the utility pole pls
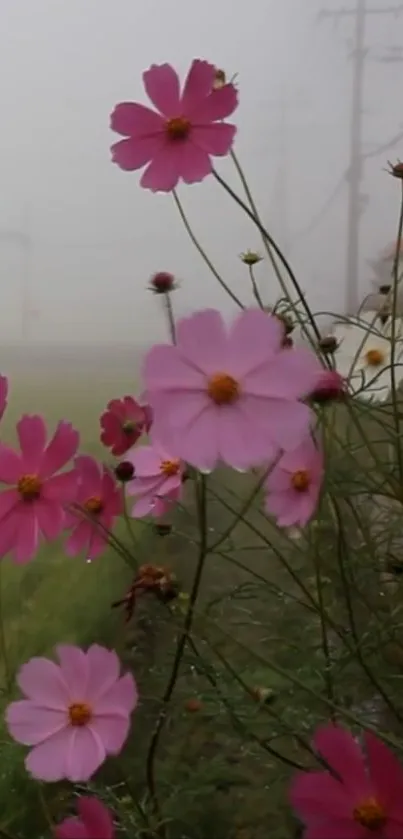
(356, 201)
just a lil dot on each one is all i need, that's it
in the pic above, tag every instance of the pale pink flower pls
(178, 141)
(230, 396)
(293, 486)
(157, 481)
(94, 822)
(36, 504)
(75, 713)
(101, 501)
(367, 800)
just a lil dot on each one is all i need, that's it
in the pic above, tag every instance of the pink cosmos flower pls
(122, 424)
(101, 499)
(230, 396)
(3, 394)
(367, 801)
(36, 504)
(94, 822)
(157, 481)
(179, 140)
(293, 485)
(75, 713)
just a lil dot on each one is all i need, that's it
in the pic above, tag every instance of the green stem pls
(203, 254)
(255, 289)
(180, 649)
(395, 405)
(3, 643)
(170, 317)
(252, 215)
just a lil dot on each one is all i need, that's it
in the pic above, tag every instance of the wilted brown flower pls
(262, 694)
(396, 169)
(154, 579)
(328, 344)
(287, 322)
(193, 705)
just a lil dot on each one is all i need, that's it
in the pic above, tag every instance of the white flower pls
(363, 356)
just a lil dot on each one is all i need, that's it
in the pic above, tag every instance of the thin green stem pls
(201, 491)
(170, 317)
(252, 215)
(3, 642)
(399, 450)
(255, 288)
(203, 254)
(323, 618)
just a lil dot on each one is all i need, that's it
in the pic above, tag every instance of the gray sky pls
(97, 235)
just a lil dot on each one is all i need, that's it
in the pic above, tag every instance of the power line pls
(356, 204)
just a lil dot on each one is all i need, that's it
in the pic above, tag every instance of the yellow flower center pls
(223, 389)
(178, 128)
(169, 468)
(374, 358)
(370, 814)
(301, 480)
(80, 713)
(94, 505)
(29, 487)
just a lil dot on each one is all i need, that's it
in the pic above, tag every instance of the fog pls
(79, 238)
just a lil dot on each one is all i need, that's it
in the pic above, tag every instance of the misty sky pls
(98, 236)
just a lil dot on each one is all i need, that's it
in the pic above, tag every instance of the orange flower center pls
(178, 128)
(301, 480)
(29, 487)
(94, 505)
(223, 389)
(170, 467)
(374, 358)
(80, 713)
(370, 814)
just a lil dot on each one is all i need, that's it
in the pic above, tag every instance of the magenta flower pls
(123, 422)
(330, 386)
(179, 140)
(230, 396)
(3, 394)
(157, 481)
(36, 505)
(366, 802)
(74, 715)
(293, 485)
(94, 822)
(101, 501)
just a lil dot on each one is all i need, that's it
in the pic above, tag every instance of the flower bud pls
(124, 471)
(162, 283)
(331, 386)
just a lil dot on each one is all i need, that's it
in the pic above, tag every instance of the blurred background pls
(319, 116)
